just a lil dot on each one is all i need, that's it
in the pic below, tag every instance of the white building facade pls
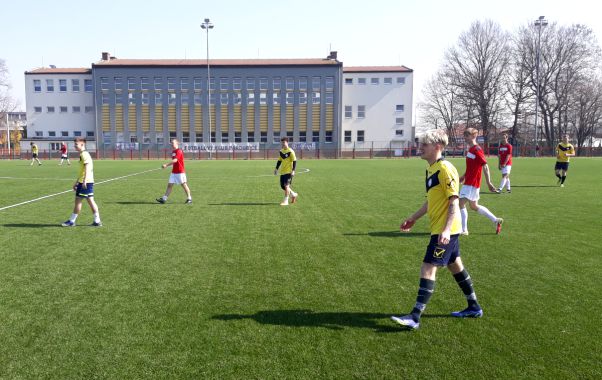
(59, 106)
(377, 107)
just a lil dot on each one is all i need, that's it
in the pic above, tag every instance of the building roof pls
(376, 69)
(62, 70)
(218, 62)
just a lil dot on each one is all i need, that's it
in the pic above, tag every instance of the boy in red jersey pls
(178, 174)
(505, 163)
(64, 155)
(475, 165)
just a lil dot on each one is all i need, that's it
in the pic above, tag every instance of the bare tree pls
(441, 105)
(517, 83)
(7, 103)
(584, 116)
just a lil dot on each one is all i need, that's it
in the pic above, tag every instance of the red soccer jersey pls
(505, 152)
(63, 149)
(178, 167)
(475, 159)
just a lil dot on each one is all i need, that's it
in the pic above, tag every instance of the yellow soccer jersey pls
(85, 163)
(287, 157)
(562, 150)
(441, 184)
(34, 149)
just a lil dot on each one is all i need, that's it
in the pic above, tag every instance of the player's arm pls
(170, 163)
(294, 167)
(406, 226)
(452, 210)
(488, 178)
(278, 163)
(571, 153)
(85, 175)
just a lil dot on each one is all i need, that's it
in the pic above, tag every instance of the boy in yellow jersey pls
(84, 186)
(564, 152)
(34, 154)
(442, 207)
(287, 163)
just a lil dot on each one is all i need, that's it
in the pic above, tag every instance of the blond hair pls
(434, 136)
(472, 132)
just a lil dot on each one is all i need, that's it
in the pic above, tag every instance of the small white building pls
(60, 106)
(377, 107)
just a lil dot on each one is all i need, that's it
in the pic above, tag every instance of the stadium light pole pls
(539, 23)
(206, 25)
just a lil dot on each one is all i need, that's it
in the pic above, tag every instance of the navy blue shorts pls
(286, 180)
(562, 166)
(442, 255)
(88, 192)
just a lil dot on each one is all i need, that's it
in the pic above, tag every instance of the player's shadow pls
(244, 204)
(32, 225)
(534, 185)
(388, 234)
(309, 318)
(134, 203)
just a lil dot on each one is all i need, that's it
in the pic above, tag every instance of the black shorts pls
(286, 180)
(34, 155)
(562, 166)
(442, 255)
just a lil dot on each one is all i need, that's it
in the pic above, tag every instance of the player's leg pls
(563, 173)
(465, 283)
(292, 193)
(77, 207)
(482, 210)
(95, 212)
(187, 191)
(503, 182)
(163, 198)
(464, 216)
(557, 170)
(285, 186)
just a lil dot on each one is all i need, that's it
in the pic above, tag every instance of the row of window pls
(224, 98)
(64, 109)
(75, 85)
(360, 135)
(361, 112)
(63, 134)
(225, 83)
(375, 81)
(238, 136)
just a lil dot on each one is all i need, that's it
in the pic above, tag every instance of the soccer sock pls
(508, 183)
(503, 183)
(485, 211)
(425, 291)
(562, 179)
(73, 217)
(96, 217)
(558, 175)
(464, 215)
(286, 199)
(164, 197)
(465, 283)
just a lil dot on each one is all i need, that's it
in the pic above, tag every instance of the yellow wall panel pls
(106, 120)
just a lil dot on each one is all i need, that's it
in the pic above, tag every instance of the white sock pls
(508, 183)
(286, 199)
(503, 183)
(164, 197)
(485, 211)
(73, 217)
(96, 217)
(464, 215)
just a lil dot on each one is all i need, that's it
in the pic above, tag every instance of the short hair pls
(176, 140)
(505, 135)
(434, 136)
(284, 139)
(80, 139)
(473, 132)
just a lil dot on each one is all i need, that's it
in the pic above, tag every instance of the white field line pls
(70, 190)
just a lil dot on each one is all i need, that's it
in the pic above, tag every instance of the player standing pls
(178, 173)
(64, 154)
(471, 179)
(34, 154)
(84, 186)
(443, 249)
(287, 163)
(564, 152)
(505, 162)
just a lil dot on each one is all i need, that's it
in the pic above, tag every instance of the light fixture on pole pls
(539, 23)
(208, 25)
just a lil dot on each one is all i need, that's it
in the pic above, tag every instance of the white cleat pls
(406, 321)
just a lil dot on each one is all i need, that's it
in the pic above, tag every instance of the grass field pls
(235, 286)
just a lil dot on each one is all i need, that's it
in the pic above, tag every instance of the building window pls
(223, 98)
(104, 83)
(290, 135)
(348, 112)
(263, 98)
(51, 134)
(237, 98)
(184, 98)
(88, 85)
(348, 80)
(237, 84)
(37, 85)
(290, 98)
(399, 132)
(302, 136)
(303, 83)
(251, 138)
(361, 81)
(76, 109)
(50, 109)
(250, 98)
(158, 83)
(316, 83)
(212, 84)
(77, 133)
(171, 99)
(64, 134)
(75, 85)
(212, 98)
(290, 84)
(144, 83)
(388, 81)
(263, 83)
(329, 98)
(329, 82)
(360, 136)
(276, 97)
(223, 84)
(198, 99)
(399, 120)
(347, 136)
(63, 109)
(374, 80)
(263, 137)
(303, 98)
(399, 108)
(131, 98)
(50, 85)
(401, 80)
(131, 84)
(37, 109)
(89, 133)
(197, 83)
(88, 109)
(63, 85)
(145, 98)
(104, 99)
(118, 83)
(361, 112)
(237, 137)
(39, 134)
(276, 83)
(171, 83)
(315, 98)
(184, 84)
(276, 137)
(118, 98)
(186, 137)
(158, 98)
(315, 136)
(250, 84)
(328, 136)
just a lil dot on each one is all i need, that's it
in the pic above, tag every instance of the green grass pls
(235, 286)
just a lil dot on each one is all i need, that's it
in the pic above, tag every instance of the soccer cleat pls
(468, 313)
(68, 223)
(294, 198)
(509, 191)
(188, 201)
(498, 225)
(406, 321)
(562, 185)
(499, 191)
(160, 200)
(94, 224)
(284, 204)
(559, 181)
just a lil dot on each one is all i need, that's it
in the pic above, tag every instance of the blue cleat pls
(160, 200)
(68, 224)
(99, 224)
(468, 313)
(406, 321)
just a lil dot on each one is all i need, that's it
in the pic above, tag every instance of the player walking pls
(564, 152)
(443, 249)
(287, 163)
(64, 154)
(34, 154)
(178, 173)
(505, 162)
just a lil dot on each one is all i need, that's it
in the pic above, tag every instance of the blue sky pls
(71, 33)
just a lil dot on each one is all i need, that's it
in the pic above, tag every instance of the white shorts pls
(506, 169)
(469, 192)
(177, 178)
(64, 157)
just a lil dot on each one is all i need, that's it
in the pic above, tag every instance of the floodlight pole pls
(208, 25)
(539, 23)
